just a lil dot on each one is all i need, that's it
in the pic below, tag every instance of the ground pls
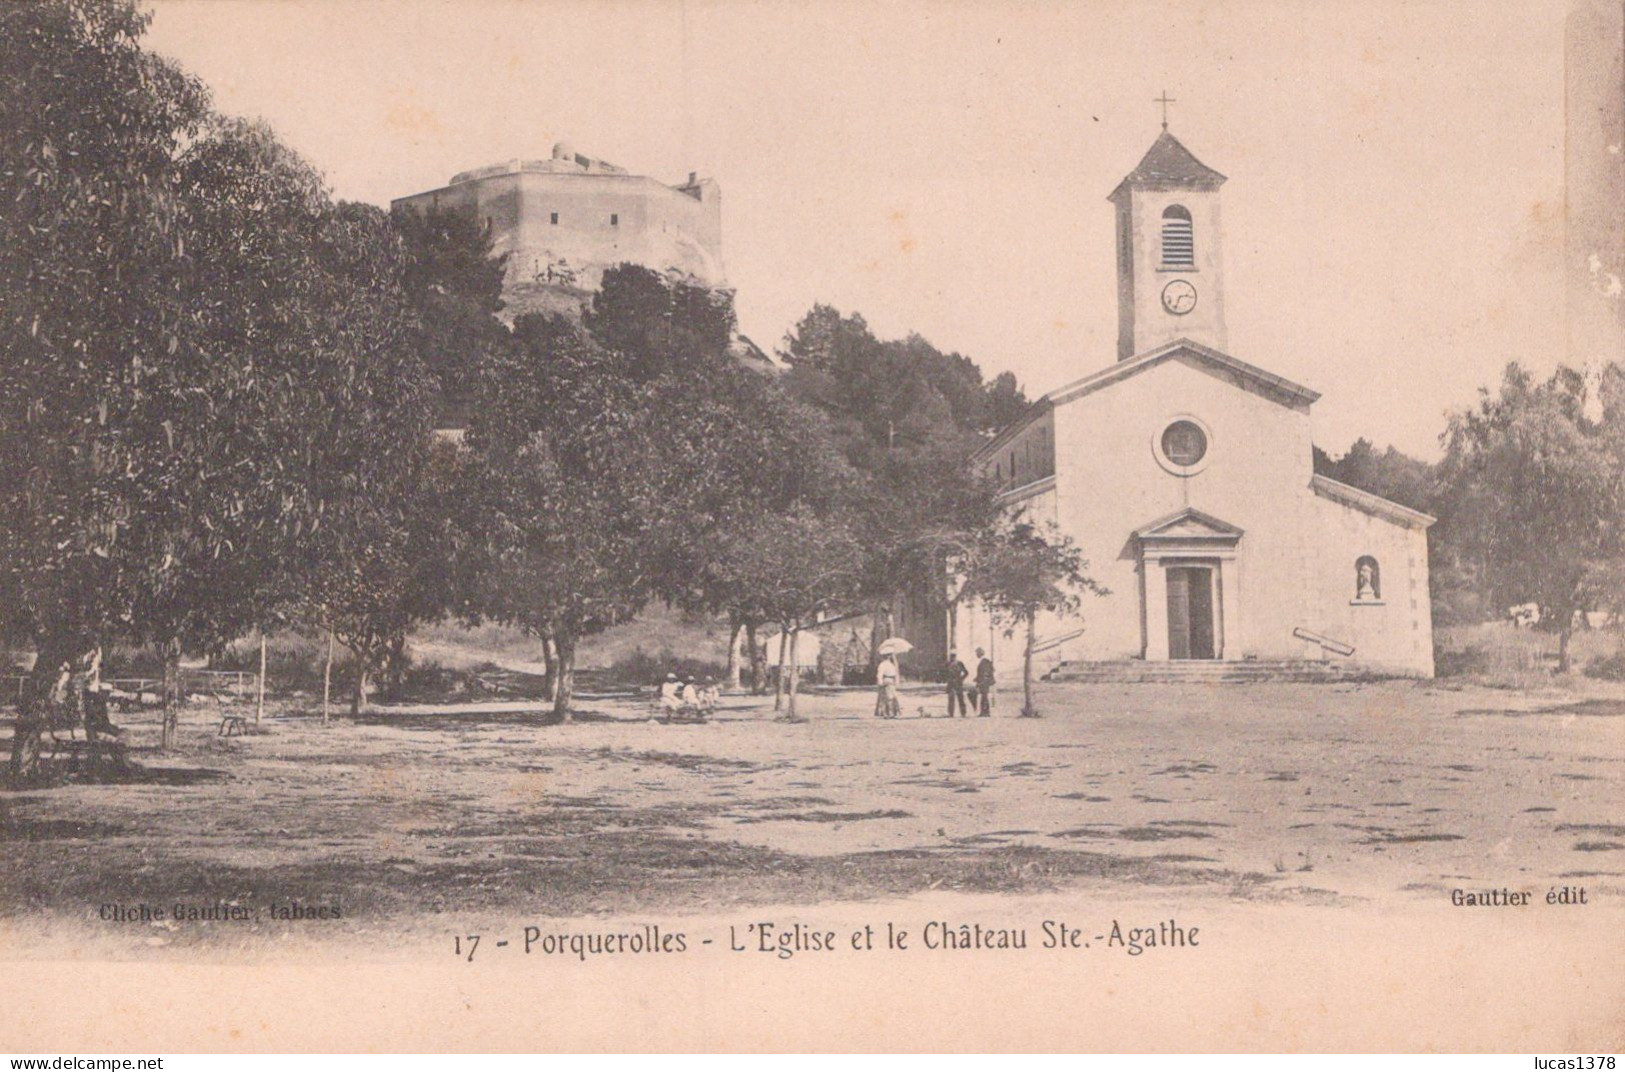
(412, 817)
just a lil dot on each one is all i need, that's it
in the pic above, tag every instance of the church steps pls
(1136, 671)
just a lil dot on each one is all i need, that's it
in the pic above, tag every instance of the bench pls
(101, 738)
(233, 719)
(84, 752)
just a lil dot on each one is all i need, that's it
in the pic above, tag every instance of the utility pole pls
(259, 698)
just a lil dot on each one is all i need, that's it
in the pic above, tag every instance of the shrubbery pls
(1607, 667)
(639, 667)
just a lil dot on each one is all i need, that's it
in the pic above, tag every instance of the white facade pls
(1186, 477)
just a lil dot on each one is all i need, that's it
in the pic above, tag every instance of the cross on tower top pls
(1164, 100)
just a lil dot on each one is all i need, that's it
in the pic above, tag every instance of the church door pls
(1190, 612)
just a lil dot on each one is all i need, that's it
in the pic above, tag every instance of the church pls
(1185, 475)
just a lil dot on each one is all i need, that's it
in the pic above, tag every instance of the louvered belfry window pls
(1178, 243)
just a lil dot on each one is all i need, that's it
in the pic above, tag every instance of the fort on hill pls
(562, 221)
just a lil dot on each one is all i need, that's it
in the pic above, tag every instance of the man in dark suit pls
(984, 684)
(957, 673)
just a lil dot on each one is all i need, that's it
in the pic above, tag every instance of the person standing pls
(886, 679)
(984, 684)
(957, 673)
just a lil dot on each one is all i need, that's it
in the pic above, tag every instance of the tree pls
(453, 281)
(1390, 473)
(1535, 493)
(907, 417)
(1609, 573)
(884, 391)
(394, 551)
(792, 567)
(187, 325)
(1022, 572)
(91, 261)
(776, 457)
(596, 448)
(390, 562)
(293, 381)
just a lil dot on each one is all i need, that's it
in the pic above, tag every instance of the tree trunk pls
(565, 687)
(1027, 709)
(795, 670)
(358, 697)
(778, 684)
(1563, 644)
(170, 652)
(953, 625)
(735, 628)
(394, 671)
(327, 680)
(259, 687)
(550, 665)
(879, 632)
(756, 660)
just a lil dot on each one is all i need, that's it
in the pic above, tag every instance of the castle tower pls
(564, 220)
(1170, 277)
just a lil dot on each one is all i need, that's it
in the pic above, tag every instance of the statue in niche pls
(1365, 581)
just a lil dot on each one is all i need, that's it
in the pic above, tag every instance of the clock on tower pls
(1179, 297)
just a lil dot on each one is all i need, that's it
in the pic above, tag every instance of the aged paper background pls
(1382, 972)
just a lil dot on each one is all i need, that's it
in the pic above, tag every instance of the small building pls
(807, 647)
(1185, 475)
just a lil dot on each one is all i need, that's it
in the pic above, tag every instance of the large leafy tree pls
(201, 356)
(391, 559)
(391, 552)
(94, 273)
(906, 416)
(453, 281)
(595, 447)
(299, 400)
(1535, 496)
(775, 457)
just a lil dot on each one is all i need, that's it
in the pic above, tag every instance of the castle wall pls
(561, 229)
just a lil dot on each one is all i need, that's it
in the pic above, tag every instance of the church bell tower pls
(1170, 272)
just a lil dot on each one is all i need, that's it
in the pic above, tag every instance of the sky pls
(1393, 217)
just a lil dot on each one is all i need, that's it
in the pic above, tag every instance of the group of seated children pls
(688, 698)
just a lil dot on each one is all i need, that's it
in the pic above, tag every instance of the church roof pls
(1169, 163)
(1283, 389)
(1189, 524)
(1375, 505)
(1278, 388)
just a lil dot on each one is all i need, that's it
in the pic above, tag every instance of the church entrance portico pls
(1190, 587)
